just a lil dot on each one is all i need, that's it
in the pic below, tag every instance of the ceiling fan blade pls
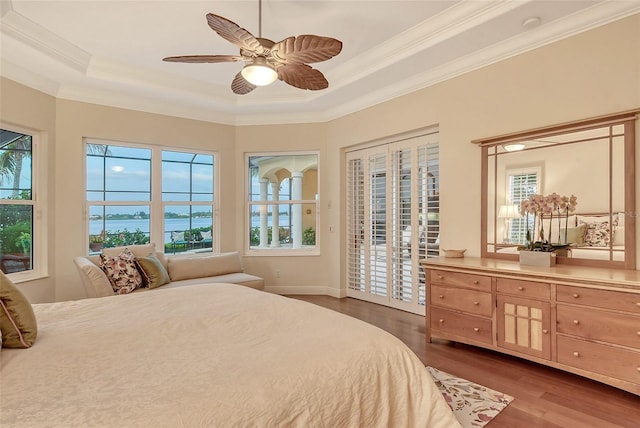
(302, 76)
(305, 49)
(240, 86)
(204, 58)
(233, 33)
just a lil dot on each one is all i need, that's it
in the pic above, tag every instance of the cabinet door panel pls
(523, 326)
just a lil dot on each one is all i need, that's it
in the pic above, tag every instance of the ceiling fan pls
(266, 60)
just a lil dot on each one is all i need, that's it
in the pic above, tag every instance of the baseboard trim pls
(306, 290)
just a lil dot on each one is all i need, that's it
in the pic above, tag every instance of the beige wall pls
(590, 74)
(307, 273)
(33, 110)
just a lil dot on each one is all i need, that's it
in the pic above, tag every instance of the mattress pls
(213, 355)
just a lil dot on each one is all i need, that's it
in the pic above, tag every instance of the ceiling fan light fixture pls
(513, 147)
(259, 73)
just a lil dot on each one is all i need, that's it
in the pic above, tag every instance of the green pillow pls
(17, 320)
(153, 273)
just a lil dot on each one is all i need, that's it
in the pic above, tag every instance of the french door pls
(392, 220)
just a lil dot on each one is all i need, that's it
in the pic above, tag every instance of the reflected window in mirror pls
(521, 184)
(593, 159)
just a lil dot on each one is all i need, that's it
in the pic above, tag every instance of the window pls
(22, 220)
(131, 202)
(521, 184)
(392, 208)
(283, 203)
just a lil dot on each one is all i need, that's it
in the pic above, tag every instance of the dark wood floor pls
(544, 397)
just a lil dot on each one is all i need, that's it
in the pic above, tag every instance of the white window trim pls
(39, 237)
(156, 204)
(279, 252)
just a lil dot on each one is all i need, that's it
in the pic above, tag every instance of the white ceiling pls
(110, 52)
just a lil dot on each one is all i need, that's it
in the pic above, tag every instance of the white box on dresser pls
(579, 319)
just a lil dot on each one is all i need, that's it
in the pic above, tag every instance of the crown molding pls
(28, 78)
(193, 99)
(39, 38)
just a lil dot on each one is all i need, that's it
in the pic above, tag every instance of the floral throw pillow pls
(121, 271)
(598, 234)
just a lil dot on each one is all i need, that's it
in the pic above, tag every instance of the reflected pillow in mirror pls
(575, 235)
(598, 234)
(618, 236)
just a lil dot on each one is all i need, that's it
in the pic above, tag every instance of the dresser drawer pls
(606, 360)
(475, 302)
(517, 287)
(478, 282)
(601, 325)
(619, 300)
(461, 325)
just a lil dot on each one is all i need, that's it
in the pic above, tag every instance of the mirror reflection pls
(588, 164)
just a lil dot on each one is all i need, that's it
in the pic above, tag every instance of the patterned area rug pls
(472, 404)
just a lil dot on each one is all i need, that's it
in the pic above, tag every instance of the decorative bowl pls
(454, 253)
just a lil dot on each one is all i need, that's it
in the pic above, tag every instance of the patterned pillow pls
(121, 271)
(598, 234)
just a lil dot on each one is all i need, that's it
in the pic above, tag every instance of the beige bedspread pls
(217, 355)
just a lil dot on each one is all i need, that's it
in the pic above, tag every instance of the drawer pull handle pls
(440, 277)
(521, 288)
(576, 322)
(476, 282)
(638, 304)
(441, 296)
(476, 329)
(576, 295)
(545, 331)
(477, 303)
(441, 321)
(576, 354)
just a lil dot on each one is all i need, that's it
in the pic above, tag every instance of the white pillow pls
(595, 219)
(618, 236)
(201, 266)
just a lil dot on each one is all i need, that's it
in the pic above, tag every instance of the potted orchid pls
(547, 207)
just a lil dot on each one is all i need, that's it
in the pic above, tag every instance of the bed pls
(209, 356)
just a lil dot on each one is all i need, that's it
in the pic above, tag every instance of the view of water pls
(171, 225)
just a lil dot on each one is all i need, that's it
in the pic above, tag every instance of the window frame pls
(39, 238)
(156, 203)
(280, 251)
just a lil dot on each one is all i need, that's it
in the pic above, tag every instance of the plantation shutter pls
(522, 184)
(392, 220)
(356, 227)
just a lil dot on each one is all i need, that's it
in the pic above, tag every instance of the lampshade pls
(259, 73)
(509, 211)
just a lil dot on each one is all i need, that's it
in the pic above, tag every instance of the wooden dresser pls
(579, 319)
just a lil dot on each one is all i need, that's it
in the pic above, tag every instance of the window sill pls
(26, 276)
(281, 252)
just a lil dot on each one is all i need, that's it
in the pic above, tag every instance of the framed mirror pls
(591, 162)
